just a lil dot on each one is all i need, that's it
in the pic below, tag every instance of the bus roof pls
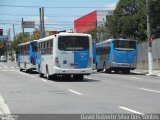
(26, 43)
(110, 40)
(63, 34)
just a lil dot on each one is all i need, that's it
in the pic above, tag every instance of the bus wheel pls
(126, 71)
(21, 69)
(47, 73)
(78, 77)
(41, 74)
(108, 71)
(98, 70)
(116, 71)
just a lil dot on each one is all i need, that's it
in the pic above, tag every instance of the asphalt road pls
(23, 93)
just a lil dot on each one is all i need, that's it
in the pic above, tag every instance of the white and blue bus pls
(27, 56)
(116, 55)
(65, 54)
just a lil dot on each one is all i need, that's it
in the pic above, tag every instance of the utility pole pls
(22, 28)
(14, 32)
(43, 30)
(150, 59)
(40, 21)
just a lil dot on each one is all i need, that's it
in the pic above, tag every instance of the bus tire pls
(126, 71)
(78, 77)
(116, 71)
(21, 69)
(41, 74)
(108, 71)
(98, 70)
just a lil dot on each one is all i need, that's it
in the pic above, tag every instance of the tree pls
(155, 16)
(128, 20)
(21, 39)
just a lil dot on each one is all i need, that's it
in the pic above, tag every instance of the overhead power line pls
(19, 6)
(54, 6)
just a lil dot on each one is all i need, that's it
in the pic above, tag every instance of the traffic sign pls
(28, 24)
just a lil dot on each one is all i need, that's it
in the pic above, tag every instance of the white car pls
(3, 59)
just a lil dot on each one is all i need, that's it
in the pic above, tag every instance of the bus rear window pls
(124, 45)
(73, 43)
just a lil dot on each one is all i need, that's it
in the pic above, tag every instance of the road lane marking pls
(88, 78)
(22, 73)
(5, 67)
(0, 67)
(74, 92)
(12, 67)
(136, 78)
(4, 107)
(44, 80)
(130, 110)
(150, 90)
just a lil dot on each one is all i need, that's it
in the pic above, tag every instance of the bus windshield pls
(73, 43)
(124, 45)
(34, 46)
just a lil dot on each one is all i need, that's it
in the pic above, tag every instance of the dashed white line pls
(4, 107)
(88, 78)
(136, 78)
(74, 92)
(22, 73)
(130, 110)
(5, 67)
(145, 89)
(12, 67)
(44, 80)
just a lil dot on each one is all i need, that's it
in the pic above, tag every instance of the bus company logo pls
(83, 54)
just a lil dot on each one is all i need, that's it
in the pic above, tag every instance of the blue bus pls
(27, 56)
(116, 55)
(65, 54)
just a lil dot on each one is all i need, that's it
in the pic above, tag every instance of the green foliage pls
(128, 20)
(21, 39)
(155, 16)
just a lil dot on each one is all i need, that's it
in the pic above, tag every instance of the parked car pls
(3, 59)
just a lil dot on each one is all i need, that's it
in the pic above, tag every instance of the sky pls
(59, 14)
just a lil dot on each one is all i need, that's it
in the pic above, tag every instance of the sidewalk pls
(145, 72)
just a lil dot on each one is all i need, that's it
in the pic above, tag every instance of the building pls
(91, 21)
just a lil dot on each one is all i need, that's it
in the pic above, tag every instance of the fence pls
(142, 59)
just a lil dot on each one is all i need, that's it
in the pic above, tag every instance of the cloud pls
(110, 6)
